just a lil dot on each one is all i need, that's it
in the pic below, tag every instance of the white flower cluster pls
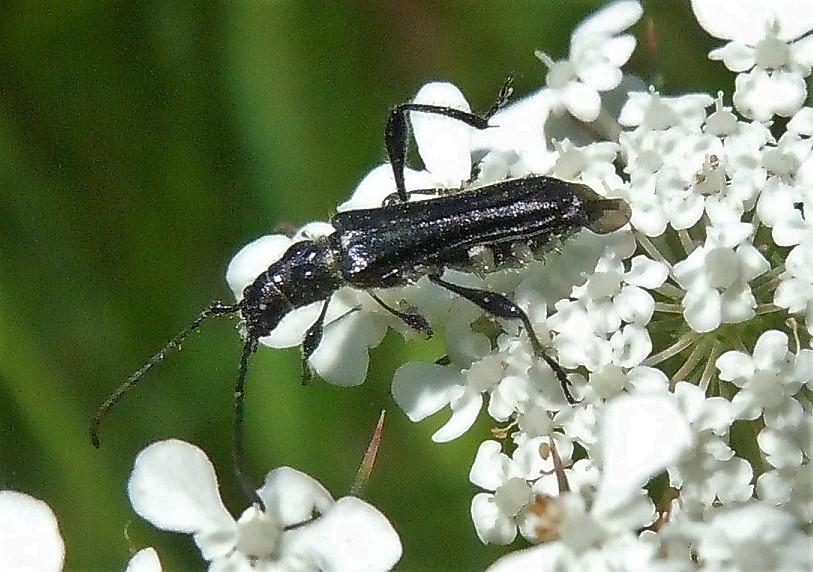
(673, 328)
(691, 323)
(300, 526)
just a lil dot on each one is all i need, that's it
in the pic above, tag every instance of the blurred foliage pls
(141, 145)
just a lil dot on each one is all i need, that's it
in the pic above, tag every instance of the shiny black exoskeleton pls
(396, 244)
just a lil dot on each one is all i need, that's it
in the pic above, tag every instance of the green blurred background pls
(141, 145)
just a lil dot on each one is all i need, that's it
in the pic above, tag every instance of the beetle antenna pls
(214, 309)
(237, 448)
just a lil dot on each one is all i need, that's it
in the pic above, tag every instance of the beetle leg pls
(444, 360)
(396, 135)
(502, 98)
(500, 306)
(238, 456)
(414, 321)
(396, 132)
(395, 198)
(311, 341)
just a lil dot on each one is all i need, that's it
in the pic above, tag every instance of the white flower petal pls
(779, 448)
(788, 413)
(145, 560)
(610, 20)
(634, 305)
(550, 556)
(29, 534)
(631, 345)
(691, 271)
(582, 101)
(751, 262)
(443, 143)
(688, 211)
(351, 536)
(312, 230)
(793, 19)
(491, 467)
(802, 53)
(760, 95)
(736, 56)
(293, 496)
(648, 379)
(372, 191)
(421, 389)
(601, 75)
(291, 329)
(774, 487)
(510, 394)
(702, 309)
(733, 481)
(518, 126)
(641, 435)
(802, 122)
(173, 485)
(464, 414)
(618, 51)
(734, 365)
(770, 351)
(746, 20)
(491, 525)
(254, 259)
(646, 273)
(343, 356)
(737, 304)
(379, 184)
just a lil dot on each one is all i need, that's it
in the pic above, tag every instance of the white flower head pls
(768, 380)
(756, 536)
(598, 49)
(648, 325)
(495, 513)
(708, 472)
(173, 486)
(641, 435)
(515, 486)
(664, 154)
(716, 277)
(604, 322)
(421, 389)
(769, 45)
